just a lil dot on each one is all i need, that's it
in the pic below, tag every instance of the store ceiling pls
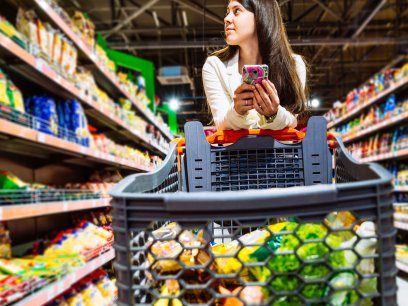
(344, 42)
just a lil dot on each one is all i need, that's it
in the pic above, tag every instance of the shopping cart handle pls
(287, 134)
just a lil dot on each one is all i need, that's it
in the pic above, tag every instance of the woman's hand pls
(243, 98)
(266, 100)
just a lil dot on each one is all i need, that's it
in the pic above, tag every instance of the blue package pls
(45, 113)
(79, 124)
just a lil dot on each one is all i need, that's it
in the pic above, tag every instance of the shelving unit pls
(392, 122)
(38, 71)
(103, 76)
(41, 157)
(51, 291)
(12, 212)
(49, 142)
(388, 123)
(392, 89)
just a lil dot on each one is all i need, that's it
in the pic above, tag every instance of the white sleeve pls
(223, 111)
(282, 120)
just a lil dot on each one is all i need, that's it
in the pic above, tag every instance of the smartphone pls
(254, 74)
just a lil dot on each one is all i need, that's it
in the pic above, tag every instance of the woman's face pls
(239, 24)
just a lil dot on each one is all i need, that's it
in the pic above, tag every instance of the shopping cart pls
(195, 232)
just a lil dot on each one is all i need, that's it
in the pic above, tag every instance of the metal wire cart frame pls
(196, 232)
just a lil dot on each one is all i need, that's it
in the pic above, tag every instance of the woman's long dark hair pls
(275, 51)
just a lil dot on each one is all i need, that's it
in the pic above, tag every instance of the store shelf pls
(401, 225)
(34, 210)
(385, 156)
(51, 291)
(371, 101)
(349, 137)
(69, 90)
(103, 76)
(401, 188)
(16, 130)
(401, 266)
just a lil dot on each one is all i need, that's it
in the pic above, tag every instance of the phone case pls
(254, 74)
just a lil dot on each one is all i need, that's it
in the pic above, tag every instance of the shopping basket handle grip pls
(287, 134)
(229, 136)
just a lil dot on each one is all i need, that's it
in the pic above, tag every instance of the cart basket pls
(306, 238)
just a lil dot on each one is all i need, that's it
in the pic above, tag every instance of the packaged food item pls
(106, 287)
(9, 30)
(44, 109)
(74, 299)
(16, 97)
(26, 25)
(4, 97)
(79, 124)
(91, 296)
(86, 28)
(5, 242)
(11, 182)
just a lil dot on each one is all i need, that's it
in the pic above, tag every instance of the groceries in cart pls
(278, 264)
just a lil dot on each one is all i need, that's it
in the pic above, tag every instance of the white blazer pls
(221, 79)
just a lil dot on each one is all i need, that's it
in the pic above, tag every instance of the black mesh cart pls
(256, 222)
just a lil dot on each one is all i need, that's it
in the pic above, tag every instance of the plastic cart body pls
(196, 232)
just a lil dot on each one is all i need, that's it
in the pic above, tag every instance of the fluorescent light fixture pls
(315, 103)
(185, 20)
(174, 104)
(156, 19)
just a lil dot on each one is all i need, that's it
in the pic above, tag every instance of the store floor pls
(402, 291)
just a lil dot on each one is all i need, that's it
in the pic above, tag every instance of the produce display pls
(95, 289)
(360, 96)
(380, 143)
(264, 266)
(376, 114)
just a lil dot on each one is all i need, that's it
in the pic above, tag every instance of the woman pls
(255, 34)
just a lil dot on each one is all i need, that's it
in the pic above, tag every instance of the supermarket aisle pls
(402, 291)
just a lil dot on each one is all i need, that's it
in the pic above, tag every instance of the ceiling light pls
(185, 20)
(315, 103)
(174, 104)
(156, 19)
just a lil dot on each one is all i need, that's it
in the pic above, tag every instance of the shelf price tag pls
(41, 137)
(39, 65)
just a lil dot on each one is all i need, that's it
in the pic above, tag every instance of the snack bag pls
(16, 97)
(5, 242)
(26, 25)
(92, 296)
(42, 37)
(74, 299)
(10, 181)
(4, 98)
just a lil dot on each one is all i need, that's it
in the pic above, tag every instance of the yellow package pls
(50, 41)
(42, 37)
(25, 24)
(18, 100)
(75, 299)
(3, 89)
(56, 47)
(64, 58)
(107, 288)
(92, 296)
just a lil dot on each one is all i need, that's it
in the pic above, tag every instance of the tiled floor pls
(402, 292)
